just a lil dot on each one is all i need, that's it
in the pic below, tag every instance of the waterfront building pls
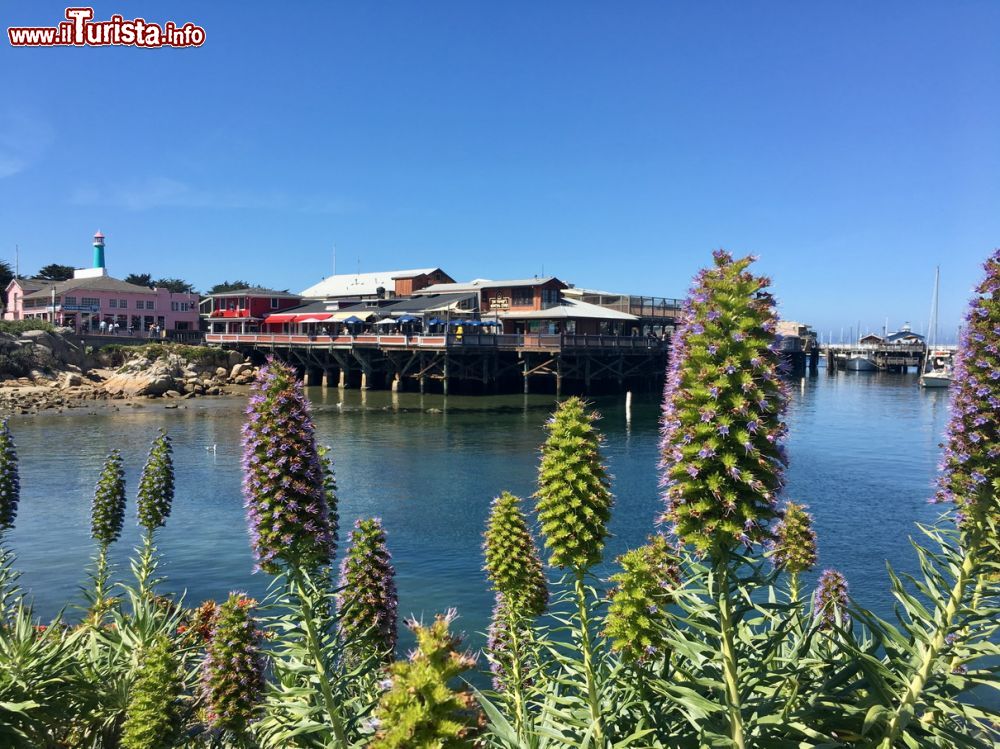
(905, 336)
(353, 287)
(92, 297)
(244, 310)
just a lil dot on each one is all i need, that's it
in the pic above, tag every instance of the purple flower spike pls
(283, 501)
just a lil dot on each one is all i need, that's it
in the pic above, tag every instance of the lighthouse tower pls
(96, 270)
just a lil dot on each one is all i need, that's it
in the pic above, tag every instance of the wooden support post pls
(342, 382)
(327, 378)
(527, 388)
(444, 378)
(397, 383)
(364, 380)
(559, 376)
(423, 384)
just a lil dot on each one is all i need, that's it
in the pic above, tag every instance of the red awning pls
(287, 317)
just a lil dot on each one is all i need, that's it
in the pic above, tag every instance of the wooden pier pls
(891, 357)
(468, 363)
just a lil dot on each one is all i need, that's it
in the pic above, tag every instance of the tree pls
(139, 279)
(55, 272)
(6, 276)
(176, 285)
(221, 288)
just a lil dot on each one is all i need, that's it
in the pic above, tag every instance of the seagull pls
(212, 448)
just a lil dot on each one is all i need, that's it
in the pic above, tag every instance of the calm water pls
(863, 450)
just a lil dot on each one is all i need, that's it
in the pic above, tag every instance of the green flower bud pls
(368, 603)
(420, 709)
(233, 671)
(10, 484)
(721, 455)
(637, 612)
(512, 562)
(108, 510)
(156, 485)
(794, 545)
(574, 498)
(152, 718)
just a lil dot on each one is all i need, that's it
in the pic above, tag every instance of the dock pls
(887, 357)
(467, 363)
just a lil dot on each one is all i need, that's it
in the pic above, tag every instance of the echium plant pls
(10, 484)
(10, 495)
(153, 716)
(793, 548)
(830, 600)
(721, 452)
(971, 481)
(156, 485)
(721, 449)
(367, 599)
(283, 477)
(516, 574)
(574, 506)
(106, 521)
(421, 709)
(512, 562)
(971, 477)
(637, 611)
(233, 670)
(153, 503)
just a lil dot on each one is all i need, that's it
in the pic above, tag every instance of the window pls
(523, 296)
(90, 301)
(174, 306)
(123, 303)
(274, 302)
(113, 303)
(550, 297)
(71, 301)
(149, 304)
(139, 304)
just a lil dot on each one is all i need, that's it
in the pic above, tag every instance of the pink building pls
(92, 297)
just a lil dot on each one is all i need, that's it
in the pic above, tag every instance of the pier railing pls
(640, 306)
(503, 341)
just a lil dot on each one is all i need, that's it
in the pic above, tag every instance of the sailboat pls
(934, 377)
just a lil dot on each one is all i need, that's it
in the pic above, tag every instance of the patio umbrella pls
(352, 320)
(407, 318)
(435, 321)
(386, 321)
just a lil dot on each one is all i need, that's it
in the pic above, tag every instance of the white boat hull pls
(860, 364)
(935, 380)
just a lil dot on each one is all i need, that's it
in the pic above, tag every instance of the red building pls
(243, 310)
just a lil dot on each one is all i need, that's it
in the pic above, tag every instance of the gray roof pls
(423, 303)
(484, 283)
(97, 283)
(256, 291)
(570, 309)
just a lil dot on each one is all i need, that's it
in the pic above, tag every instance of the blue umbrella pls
(352, 320)
(407, 318)
(435, 321)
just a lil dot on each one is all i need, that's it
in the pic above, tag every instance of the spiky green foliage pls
(794, 546)
(330, 490)
(152, 720)
(108, 511)
(971, 476)
(367, 601)
(637, 612)
(830, 600)
(574, 496)
(156, 484)
(721, 454)
(421, 710)
(512, 562)
(233, 670)
(10, 484)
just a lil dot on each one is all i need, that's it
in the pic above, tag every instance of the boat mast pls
(932, 328)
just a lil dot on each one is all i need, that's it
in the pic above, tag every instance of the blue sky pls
(853, 146)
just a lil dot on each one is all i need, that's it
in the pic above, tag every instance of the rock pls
(70, 380)
(239, 369)
(172, 405)
(172, 394)
(131, 386)
(234, 358)
(221, 372)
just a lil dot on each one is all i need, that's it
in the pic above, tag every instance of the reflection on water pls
(863, 449)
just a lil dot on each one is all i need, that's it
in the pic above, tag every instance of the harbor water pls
(863, 449)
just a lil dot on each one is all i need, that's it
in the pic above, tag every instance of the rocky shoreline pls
(46, 371)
